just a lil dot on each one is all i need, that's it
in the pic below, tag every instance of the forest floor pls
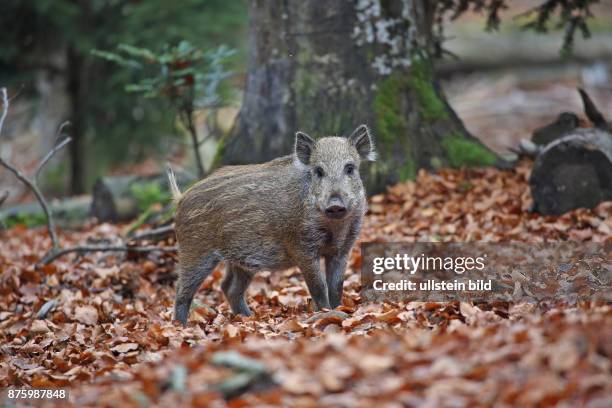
(108, 335)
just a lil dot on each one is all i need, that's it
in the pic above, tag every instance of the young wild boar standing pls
(290, 211)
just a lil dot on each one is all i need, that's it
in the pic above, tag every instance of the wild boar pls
(288, 212)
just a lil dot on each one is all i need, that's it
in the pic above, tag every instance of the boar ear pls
(362, 139)
(303, 147)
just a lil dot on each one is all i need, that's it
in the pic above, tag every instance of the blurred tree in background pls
(325, 70)
(319, 66)
(57, 36)
(188, 78)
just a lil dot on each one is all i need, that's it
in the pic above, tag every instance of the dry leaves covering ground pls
(106, 331)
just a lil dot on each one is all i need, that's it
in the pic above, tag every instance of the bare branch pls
(155, 233)
(56, 148)
(39, 196)
(186, 117)
(54, 254)
(31, 184)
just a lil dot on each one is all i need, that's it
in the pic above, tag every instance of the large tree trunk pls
(325, 67)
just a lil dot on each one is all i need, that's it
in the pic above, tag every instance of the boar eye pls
(349, 169)
(319, 172)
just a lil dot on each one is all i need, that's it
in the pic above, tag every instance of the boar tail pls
(176, 193)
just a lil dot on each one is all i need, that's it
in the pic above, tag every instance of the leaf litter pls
(100, 324)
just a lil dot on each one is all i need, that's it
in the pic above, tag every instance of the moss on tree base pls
(421, 81)
(461, 152)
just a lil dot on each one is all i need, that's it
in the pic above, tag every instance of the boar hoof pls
(246, 312)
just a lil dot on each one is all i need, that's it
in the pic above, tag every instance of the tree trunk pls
(326, 67)
(76, 91)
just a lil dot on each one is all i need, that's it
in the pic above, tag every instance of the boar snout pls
(335, 208)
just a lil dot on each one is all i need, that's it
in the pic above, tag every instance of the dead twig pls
(58, 146)
(31, 182)
(187, 121)
(154, 233)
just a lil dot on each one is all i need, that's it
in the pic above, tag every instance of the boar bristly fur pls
(288, 212)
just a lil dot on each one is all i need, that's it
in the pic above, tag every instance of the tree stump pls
(572, 172)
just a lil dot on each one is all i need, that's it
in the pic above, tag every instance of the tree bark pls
(326, 67)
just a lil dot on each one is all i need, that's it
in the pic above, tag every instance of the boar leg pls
(227, 280)
(334, 271)
(316, 284)
(239, 280)
(190, 279)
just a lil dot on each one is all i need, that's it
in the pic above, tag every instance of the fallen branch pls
(53, 255)
(155, 233)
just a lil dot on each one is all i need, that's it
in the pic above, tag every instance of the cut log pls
(573, 172)
(68, 213)
(563, 126)
(593, 113)
(115, 199)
